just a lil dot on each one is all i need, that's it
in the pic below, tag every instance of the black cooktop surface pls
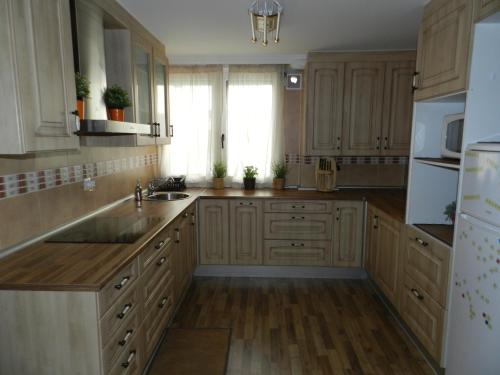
(107, 230)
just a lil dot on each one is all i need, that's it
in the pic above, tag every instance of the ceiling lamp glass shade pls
(265, 17)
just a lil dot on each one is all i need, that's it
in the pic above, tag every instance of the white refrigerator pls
(474, 319)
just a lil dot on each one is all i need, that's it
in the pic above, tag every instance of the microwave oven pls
(451, 136)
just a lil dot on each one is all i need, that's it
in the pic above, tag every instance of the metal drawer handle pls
(159, 245)
(298, 207)
(125, 310)
(123, 341)
(177, 235)
(421, 242)
(298, 244)
(417, 294)
(163, 302)
(193, 219)
(129, 359)
(161, 261)
(298, 218)
(122, 283)
(375, 222)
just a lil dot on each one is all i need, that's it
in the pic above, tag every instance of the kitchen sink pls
(164, 196)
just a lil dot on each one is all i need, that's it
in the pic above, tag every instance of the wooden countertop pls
(88, 267)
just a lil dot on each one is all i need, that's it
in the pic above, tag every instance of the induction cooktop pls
(107, 230)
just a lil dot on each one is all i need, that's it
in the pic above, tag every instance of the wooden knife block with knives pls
(326, 174)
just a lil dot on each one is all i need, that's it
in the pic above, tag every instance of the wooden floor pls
(301, 327)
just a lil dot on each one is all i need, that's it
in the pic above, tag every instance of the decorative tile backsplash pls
(345, 160)
(22, 183)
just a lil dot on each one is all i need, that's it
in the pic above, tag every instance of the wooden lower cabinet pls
(424, 316)
(348, 234)
(297, 253)
(245, 232)
(214, 231)
(371, 241)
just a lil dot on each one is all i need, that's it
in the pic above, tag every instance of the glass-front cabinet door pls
(160, 90)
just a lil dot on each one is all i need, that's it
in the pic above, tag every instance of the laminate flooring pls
(301, 326)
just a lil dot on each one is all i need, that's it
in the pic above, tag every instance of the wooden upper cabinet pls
(485, 8)
(398, 108)
(214, 231)
(363, 100)
(324, 108)
(443, 48)
(160, 95)
(348, 234)
(38, 95)
(245, 235)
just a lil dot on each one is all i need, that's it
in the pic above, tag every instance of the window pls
(251, 122)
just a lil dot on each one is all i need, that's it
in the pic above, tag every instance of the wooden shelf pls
(441, 162)
(442, 232)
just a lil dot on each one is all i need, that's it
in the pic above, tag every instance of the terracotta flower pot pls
(80, 107)
(116, 114)
(218, 183)
(278, 183)
(249, 183)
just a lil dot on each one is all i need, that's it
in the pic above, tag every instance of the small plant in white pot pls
(249, 174)
(219, 172)
(279, 171)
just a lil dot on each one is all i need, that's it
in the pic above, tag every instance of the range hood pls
(103, 55)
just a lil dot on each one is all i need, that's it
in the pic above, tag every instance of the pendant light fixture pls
(265, 18)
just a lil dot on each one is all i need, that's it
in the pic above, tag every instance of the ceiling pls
(218, 31)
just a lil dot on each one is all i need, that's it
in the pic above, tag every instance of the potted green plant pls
(450, 211)
(279, 171)
(219, 171)
(116, 99)
(82, 85)
(249, 174)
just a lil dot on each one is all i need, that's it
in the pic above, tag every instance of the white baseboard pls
(281, 272)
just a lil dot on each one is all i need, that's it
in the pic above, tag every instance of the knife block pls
(326, 179)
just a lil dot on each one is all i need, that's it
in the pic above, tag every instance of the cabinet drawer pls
(157, 317)
(130, 360)
(298, 206)
(117, 286)
(120, 340)
(155, 277)
(298, 226)
(423, 315)
(159, 243)
(117, 314)
(427, 262)
(297, 253)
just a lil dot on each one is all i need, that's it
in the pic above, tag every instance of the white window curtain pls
(250, 118)
(195, 95)
(254, 120)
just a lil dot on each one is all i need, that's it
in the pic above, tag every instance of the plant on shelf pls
(116, 99)
(279, 171)
(249, 174)
(450, 211)
(82, 85)
(219, 171)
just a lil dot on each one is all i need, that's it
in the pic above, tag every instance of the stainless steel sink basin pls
(164, 196)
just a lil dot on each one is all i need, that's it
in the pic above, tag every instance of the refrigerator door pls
(474, 321)
(481, 186)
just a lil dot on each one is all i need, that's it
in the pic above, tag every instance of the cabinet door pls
(143, 93)
(371, 241)
(398, 108)
(160, 88)
(348, 234)
(443, 48)
(37, 77)
(324, 108)
(485, 8)
(388, 260)
(364, 90)
(245, 232)
(214, 231)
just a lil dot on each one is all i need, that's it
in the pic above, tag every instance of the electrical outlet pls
(88, 184)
